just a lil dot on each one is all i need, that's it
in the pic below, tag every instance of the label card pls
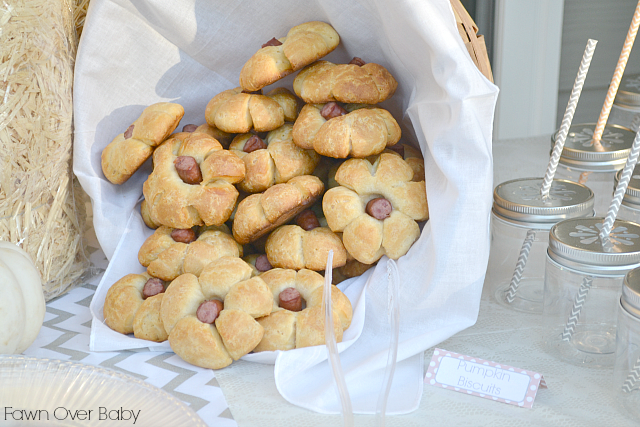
(483, 378)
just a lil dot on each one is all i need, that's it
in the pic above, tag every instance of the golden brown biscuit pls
(127, 309)
(276, 163)
(167, 255)
(291, 246)
(209, 199)
(224, 138)
(411, 155)
(303, 326)
(235, 111)
(303, 44)
(260, 213)
(324, 81)
(376, 207)
(147, 324)
(130, 149)
(226, 296)
(361, 132)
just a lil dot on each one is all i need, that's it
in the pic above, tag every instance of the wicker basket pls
(475, 43)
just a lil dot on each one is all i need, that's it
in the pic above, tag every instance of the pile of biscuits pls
(247, 206)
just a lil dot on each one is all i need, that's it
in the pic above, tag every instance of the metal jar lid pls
(575, 244)
(629, 91)
(631, 292)
(609, 155)
(632, 195)
(519, 201)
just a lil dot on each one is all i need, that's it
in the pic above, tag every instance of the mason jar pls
(594, 165)
(520, 223)
(630, 206)
(625, 110)
(626, 370)
(582, 287)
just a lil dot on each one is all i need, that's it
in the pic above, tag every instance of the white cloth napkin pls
(133, 54)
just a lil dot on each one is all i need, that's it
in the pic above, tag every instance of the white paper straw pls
(332, 347)
(578, 303)
(393, 284)
(617, 75)
(633, 378)
(568, 117)
(522, 262)
(621, 188)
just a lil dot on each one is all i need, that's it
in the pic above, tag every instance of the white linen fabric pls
(133, 54)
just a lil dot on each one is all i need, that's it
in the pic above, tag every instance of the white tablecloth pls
(575, 397)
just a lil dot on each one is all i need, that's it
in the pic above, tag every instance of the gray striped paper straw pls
(621, 188)
(568, 117)
(633, 378)
(522, 262)
(578, 303)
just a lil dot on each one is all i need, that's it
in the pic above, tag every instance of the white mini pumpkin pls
(22, 304)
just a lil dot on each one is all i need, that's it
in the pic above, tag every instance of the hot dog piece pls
(189, 128)
(188, 169)
(357, 61)
(307, 220)
(254, 143)
(208, 311)
(331, 110)
(153, 287)
(263, 264)
(272, 42)
(379, 208)
(129, 132)
(183, 235)
(290, 299)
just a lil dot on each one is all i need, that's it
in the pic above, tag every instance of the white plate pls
(44, 392)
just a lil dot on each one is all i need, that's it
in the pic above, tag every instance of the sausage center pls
(208, 311)
(153, 287)
(290, 299)
(188, 169)
(379, 208)
(183, 235)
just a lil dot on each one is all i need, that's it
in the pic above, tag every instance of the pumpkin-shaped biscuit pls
(130, 149)
(354, 83)
(297, 319)
(276, 59)
(340, 132)
(211, 319)
(192, 182)
(376, 207)
(260, 213)
(304, 245)
(235, 111)
(170, 252)
(132, 305)
(274, 160)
